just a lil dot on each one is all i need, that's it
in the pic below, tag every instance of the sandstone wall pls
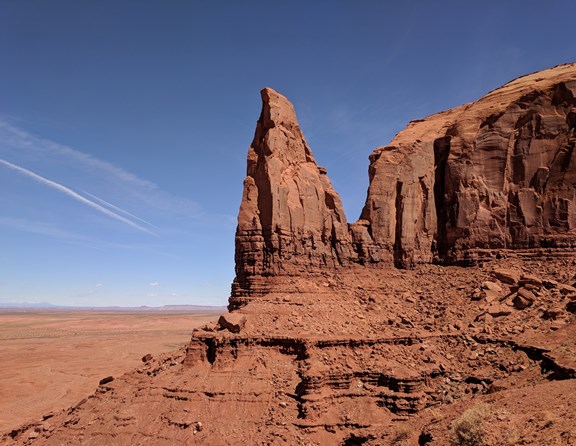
(291, 220)
(492, 175)
(498, 174)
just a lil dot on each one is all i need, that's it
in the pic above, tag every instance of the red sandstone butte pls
(462, 185)
(291, 220)
(447, 311)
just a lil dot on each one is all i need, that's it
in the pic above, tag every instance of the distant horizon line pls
(50, 306)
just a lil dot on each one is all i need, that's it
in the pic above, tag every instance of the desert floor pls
(50, 360)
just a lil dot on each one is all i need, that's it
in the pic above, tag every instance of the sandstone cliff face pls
(493, 175)
(291, 220)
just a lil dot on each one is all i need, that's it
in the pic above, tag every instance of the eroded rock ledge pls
(497, 174)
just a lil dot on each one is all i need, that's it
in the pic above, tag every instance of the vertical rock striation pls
(496, 174)
(493, 175)
(291, 220)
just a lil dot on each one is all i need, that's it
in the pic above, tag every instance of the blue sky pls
(124, 125)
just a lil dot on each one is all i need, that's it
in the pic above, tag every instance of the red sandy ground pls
(52, 359)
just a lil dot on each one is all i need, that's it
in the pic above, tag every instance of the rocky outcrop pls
(494, 175)
(291, 220)
(381, 356)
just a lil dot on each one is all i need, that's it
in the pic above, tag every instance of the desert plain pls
(51, 359)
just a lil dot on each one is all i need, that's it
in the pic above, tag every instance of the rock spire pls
(291, 220)
(469, 183)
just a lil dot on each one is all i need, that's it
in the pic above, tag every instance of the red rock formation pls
(291, 220)
(496, 174)
(332, 351)
(492, 175)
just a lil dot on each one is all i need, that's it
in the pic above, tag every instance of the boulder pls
(497, 310)
(523, 299)
(530, 279)
(106, 380)
(553, 313)
(491, 291)
(566, 289)
(505, 275)
(233, 322)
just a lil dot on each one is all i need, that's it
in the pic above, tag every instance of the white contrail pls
(15, 140)
(73, 194)
(11, 136)
(116, 208)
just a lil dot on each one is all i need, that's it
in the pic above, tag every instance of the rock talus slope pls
(374, 332)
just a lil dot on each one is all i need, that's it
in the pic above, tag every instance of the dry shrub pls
(513, 437)
(468, 430)
(436, 415)
(548, 419)
(401, 435)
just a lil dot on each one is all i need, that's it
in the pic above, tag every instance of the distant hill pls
(27, 305)
(49, 306)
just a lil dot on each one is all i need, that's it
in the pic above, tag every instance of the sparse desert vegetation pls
(468, 430)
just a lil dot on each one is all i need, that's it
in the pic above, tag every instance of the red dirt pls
(53, 359)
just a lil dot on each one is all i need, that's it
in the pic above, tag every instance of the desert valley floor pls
(53, 359)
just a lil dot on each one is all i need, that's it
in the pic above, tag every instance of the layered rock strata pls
(493, 175)
(291, 220)
(376, 354)
(327, 350)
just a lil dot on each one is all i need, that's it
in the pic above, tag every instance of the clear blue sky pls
(124, 125)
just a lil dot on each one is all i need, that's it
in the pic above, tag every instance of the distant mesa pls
(28, 305)
(143, 308)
